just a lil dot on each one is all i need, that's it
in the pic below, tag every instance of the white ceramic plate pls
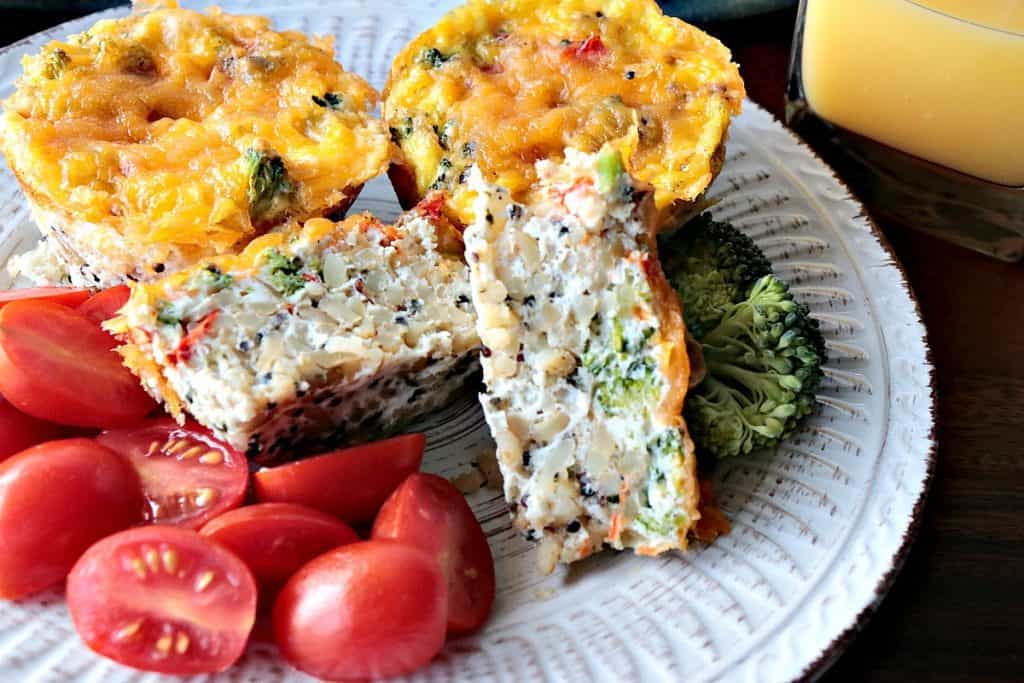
(819, 528)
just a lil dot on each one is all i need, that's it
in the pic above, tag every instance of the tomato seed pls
(191, 453)
(152, 559)
(204, 580)
(128, 630)
(211, 458)
(170, 561)
(181, 644)
(174, 445)
(139, 568)
(205, 496)
(153, 448)
(164, 644)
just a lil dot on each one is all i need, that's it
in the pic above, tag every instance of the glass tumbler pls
(922, 104)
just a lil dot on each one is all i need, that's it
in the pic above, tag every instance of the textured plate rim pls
(835, 648)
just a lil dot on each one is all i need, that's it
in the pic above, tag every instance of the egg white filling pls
(317, 343)
(572, 349)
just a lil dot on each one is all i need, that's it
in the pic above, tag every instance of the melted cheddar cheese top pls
(174, 126)
(504, 84)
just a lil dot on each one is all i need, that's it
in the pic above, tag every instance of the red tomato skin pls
(429, 513)
(124, 595)
(368, 610)
(227, 478)
(18, 431)
(350, 484)
(65, 296)
(105, 305)
(276, 539)
(57, 499)
(57, 365)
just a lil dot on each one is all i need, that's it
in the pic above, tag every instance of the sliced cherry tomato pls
(57, 499)
(56, 364)
(188, 476)
(427, 512)
(18, 431)
(163, 599)
(276, 539)
(369, 610)
(351, 484)
(106, 304)
(66, 296)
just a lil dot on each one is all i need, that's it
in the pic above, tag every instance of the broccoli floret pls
(712, 265)
(137, 60)
(283, 273)
(56, 62)
(625, 376)
(763, 352)
(763, 362)
(432, 58)
(213, 279)
(269, 188)
(166, 315)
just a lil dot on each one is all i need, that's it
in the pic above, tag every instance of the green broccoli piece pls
(609, 168)
(763, 362)
(712, 265)
(285, 274)
(763, 352)
(269, 187)
(166, 315)
(625, 376)
(213, 279)
(432, 58)
(56, 62)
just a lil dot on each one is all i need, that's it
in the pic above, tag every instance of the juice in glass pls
(925, 99)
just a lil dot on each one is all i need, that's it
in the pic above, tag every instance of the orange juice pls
(940, 79)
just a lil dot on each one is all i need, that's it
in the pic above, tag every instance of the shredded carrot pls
(184, 350)
(615, 530)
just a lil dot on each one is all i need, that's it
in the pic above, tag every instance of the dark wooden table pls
(956, 612)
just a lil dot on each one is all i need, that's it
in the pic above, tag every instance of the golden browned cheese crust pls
(504, 84)
(157, 139)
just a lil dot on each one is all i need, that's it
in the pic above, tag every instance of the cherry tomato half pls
(18, 431)
(428, 512)
(56, 364)
(367, 610)
(66, 296)
(57, 499)
(163, 599)
(188, 476)
(105, 304)
(351, 484)
(276, 539)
